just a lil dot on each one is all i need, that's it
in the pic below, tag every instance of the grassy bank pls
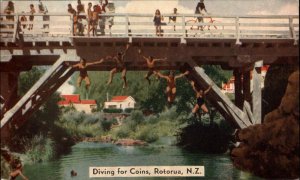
(136, 126)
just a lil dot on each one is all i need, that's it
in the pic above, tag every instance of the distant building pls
(80, 105)
(229, 86)
(120, 102)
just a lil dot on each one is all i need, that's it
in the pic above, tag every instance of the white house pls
(80, 105)
(229, 86)
(120, 102)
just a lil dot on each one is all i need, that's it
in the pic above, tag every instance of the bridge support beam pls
(247, 86)
(239, 99)
(256, 94)
(9, 90)
(227, 108)
(53, 78)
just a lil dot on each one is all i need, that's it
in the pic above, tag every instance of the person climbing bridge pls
(200, 99)
(151, 65)
(83, 75)
(16, 167)
(120, 66)
(171, 87)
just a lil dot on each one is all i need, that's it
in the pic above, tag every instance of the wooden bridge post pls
(256, 95)
(239, 99)
(9, 89)
(246, 86)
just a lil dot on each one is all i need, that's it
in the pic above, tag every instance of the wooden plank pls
(239, 116)
(25, 100)
(256, 94)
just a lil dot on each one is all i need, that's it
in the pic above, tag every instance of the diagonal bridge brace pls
(219, 100)
(52, 79)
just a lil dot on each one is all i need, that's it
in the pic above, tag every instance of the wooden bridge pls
(239, 43)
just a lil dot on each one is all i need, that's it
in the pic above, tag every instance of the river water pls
(162, 153)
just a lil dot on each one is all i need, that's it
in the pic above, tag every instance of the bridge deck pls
(232, 41)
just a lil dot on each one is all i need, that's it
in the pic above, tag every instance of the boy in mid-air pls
(171, 81)
(151, 65)
(120, 66)
(83, 75)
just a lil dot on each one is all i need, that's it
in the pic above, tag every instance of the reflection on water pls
(162, 153)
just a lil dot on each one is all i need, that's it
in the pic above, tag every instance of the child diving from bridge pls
(151, 65)
(83, 75)
(120, 66)
(200, 98)
(171, 81)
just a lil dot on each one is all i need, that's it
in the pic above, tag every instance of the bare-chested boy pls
(94, 21)
(171, 87)
(83, 75)
(89, 17)
(151, 65)
(200, 98)
(120, 66)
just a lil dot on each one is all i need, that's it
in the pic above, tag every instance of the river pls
(162, 153)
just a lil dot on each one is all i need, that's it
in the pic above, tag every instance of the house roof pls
(119, 98)
(74, 99)
(88, 102)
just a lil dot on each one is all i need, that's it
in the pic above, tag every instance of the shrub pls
(137, 117)
(128, 110)
(106, 124)
(152, 119)
(148, 134)
(39, 149)
(123, 132)
(112, 110)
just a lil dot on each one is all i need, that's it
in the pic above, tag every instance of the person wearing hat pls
(120, 66)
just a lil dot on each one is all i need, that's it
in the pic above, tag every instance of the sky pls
(217, 7)
(229, 7)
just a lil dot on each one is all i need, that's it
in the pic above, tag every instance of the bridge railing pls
(142, 25)
(52, 25)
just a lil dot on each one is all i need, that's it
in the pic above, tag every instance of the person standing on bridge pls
(171, 87)
(200, 10)
(173, 18)
(31, 17)
(10, 9)
(72, 11)
(83, 75)
(120, 66)
(43, 9)
(157, 22)
(151, 65)
(200, 99)
(102, 19)
(89, 17)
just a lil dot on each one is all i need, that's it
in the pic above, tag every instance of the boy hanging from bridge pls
(200, 99)
(171, 81)
(83, 75)
(120, 66)
(151, 65)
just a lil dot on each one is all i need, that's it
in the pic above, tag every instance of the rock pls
(130, 142)
(270, 150)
